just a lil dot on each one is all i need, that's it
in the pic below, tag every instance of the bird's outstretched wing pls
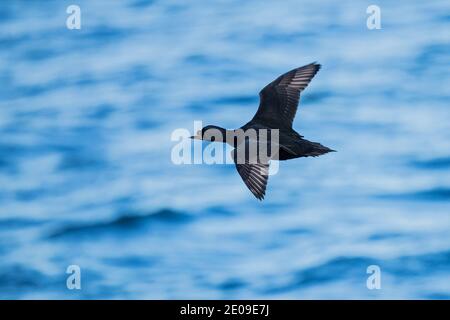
(279, 99)
(254, 173)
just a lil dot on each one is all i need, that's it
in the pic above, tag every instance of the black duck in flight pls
(277, 108)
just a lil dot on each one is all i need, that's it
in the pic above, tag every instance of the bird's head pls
(211, 133)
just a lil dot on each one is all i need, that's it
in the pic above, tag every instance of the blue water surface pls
(86, 176)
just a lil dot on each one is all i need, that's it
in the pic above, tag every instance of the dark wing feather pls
(254, 174)
(279, 99)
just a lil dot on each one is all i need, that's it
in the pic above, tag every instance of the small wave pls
(436, 194)
(130, 261)
(124, 222)
(236, 100)
(142, 3)
(232, 284)
(336, 269)
(78, 162)
(385, 236)
(420, 265)
(297, 231)
(16, 279)
(344, 268)
(13, 223)
(333, 270)
(316, 97)
(435, 164)
(438, 296)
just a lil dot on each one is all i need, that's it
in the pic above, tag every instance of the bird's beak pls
(198, 136)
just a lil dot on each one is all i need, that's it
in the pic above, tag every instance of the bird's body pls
(276, 112)
(292, 144)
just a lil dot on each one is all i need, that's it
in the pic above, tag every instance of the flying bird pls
(277, 108)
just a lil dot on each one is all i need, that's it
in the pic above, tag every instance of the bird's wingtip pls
(318, 65)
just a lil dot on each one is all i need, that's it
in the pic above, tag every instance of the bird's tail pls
(315, 149)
